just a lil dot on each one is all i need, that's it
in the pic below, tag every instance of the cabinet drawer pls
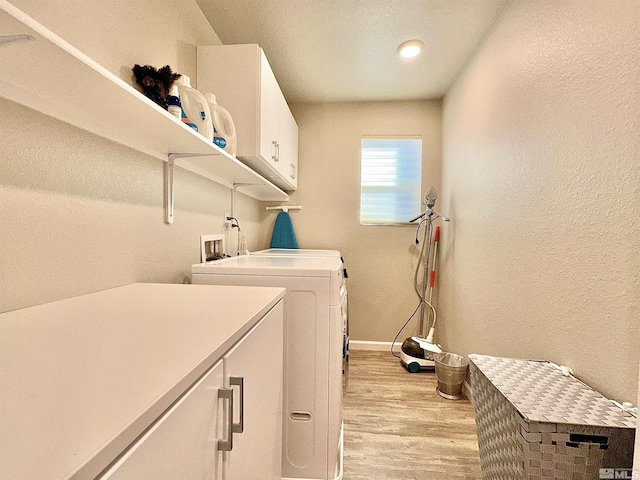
(183, 442)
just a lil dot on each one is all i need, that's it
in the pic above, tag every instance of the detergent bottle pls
(174, 107)
(195, 109)
(224, 131)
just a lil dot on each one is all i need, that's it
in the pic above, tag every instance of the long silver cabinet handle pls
(227, 445)
(274, 151)
(239, 381)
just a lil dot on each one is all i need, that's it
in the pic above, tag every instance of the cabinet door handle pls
(238, 381)
(293, 171)
(227, 445)
(277, 152)
(274, 151)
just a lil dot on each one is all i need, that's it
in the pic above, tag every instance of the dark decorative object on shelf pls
(155, 83)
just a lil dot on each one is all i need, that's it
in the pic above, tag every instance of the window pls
(391, 170)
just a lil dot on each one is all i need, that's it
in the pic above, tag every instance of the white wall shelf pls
(51, 76)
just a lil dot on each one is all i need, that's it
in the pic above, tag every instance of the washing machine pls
(314, 313)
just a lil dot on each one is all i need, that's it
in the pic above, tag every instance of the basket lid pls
(542, 393)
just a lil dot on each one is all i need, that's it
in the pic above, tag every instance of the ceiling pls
(345, 50)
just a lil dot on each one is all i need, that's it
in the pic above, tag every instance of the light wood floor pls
(398, 428)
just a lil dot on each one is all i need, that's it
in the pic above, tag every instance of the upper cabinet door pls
(270, 106)
(288, 166)
(242, 80)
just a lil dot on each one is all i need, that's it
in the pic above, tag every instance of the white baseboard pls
(379, 346)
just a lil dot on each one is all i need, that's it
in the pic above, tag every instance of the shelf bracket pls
(233, 195)
(168, 182)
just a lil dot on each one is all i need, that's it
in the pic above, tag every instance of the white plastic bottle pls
(224, 131)
(195, 107)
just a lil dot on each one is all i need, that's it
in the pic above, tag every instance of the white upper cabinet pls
(243, 82)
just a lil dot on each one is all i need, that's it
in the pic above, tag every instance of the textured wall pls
(380, 258)
(119, 33)
(79, 213)
(540, 176)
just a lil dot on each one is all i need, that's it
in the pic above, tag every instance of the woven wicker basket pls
(536, 423)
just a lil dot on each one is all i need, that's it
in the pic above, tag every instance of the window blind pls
(390, 180)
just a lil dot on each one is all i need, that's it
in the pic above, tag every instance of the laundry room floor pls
(398, 428)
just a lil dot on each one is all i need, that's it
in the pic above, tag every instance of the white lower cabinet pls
(183, 442)
(227, 426)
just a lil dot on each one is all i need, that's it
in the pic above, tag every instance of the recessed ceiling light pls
(410, 48)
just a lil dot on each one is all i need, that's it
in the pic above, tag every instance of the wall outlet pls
(226, 223)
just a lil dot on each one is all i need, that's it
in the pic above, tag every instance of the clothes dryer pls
(314, 311)
(306, 252)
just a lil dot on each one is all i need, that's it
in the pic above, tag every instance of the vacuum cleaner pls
(417, 352)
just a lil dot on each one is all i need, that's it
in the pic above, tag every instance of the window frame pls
(416, 136)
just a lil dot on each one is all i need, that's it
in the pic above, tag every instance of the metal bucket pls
(451, 370)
